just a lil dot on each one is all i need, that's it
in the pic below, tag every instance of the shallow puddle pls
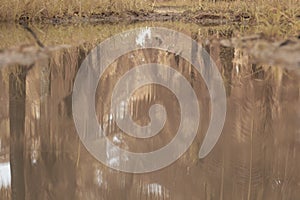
(42, 156)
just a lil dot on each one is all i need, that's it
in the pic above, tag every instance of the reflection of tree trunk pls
(226, 58)
(17, 120)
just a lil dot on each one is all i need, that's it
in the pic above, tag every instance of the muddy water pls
(42, 157)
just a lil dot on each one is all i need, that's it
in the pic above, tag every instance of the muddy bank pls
(158, 14)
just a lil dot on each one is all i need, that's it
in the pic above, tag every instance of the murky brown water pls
(41, 156)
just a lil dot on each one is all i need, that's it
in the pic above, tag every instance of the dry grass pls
(13, 9)
(273, 17)
(277, 18)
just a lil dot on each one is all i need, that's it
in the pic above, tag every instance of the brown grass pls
(13, 9)
(273, 17)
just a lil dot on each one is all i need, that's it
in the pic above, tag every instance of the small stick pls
(26, 27)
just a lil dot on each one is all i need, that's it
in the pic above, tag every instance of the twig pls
(26, 27)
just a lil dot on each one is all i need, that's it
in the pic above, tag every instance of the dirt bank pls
(158, 14)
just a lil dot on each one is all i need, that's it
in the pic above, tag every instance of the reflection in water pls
(5, 179)
(156, 191)
(255, 158)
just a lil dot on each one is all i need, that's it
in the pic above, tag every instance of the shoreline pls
(160, 14)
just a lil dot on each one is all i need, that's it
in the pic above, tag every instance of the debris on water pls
(262, 50)
(26, 54)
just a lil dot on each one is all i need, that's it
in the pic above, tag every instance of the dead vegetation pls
(274, 17)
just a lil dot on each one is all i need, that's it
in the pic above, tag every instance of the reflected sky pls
(5, 177)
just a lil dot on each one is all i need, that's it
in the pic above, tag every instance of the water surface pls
(42, 157)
